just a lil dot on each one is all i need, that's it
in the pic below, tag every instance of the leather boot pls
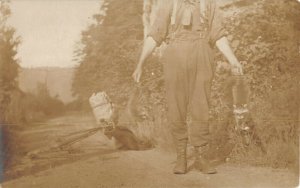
(201, 163)
(181, 162)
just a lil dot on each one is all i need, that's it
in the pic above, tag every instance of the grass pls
(280, 145)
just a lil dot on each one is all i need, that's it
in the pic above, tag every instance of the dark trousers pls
(188, 74)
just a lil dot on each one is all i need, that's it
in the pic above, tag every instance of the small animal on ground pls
(126, 138)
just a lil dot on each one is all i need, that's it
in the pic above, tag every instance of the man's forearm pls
(224, 47)
(148, 48)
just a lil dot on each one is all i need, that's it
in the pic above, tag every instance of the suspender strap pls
(174, 12)
(202, 7)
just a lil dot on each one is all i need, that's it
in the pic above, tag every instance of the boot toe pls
(180, 168)
(205, 167)
(179, 171)
(209, 171)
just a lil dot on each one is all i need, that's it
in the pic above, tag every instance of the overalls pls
(187, 68)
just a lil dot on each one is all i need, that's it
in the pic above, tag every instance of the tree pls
(8, 63)
(109, 50)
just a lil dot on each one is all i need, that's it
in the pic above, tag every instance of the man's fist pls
(137, 74)
(237, 69)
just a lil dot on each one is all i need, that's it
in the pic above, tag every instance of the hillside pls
(58, 80)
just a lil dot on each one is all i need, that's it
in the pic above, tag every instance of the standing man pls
(191, 28)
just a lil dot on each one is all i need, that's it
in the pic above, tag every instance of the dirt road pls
(148, 169)
(89, 164)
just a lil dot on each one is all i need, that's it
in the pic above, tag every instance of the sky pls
(49, 29)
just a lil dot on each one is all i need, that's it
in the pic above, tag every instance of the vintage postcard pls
(149, 93)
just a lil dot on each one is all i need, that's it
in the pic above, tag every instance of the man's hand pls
(223, 46)
(137, 74)
(237, 69)
(149, 46)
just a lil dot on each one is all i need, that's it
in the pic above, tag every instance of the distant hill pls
(58, 81)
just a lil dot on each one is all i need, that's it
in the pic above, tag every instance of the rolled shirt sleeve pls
(159, 28)
(217, 31)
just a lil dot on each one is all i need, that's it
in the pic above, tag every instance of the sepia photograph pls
(149, 93)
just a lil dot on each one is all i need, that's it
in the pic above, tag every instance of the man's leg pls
(177, 99)
(177, 107)
(200, 85)
(199, 128)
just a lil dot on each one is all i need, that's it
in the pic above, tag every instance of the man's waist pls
(188, 35)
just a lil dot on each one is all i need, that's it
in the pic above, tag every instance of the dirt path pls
(148, 169)
(90, 164)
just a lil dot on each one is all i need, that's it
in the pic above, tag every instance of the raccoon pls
(245, 126)
(242, 118)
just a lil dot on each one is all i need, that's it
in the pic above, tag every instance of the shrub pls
(263, 33)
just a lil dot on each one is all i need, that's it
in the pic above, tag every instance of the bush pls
(8, 63)
(26, 108)
(263, 34)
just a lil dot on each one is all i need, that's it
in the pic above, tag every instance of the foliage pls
(264, 34)
(26, 108)
(108, 51)
(48, 105)
(8, 63)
